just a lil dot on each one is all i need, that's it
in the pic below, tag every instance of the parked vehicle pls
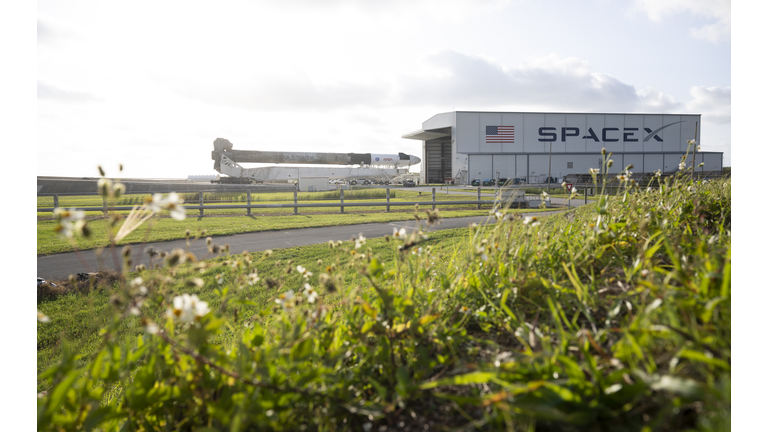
(41, 281)
(475, 182)
(519, 180)
(488, 182)
(503, 181)
(409, 183)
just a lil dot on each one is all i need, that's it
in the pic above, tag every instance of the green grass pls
(78, 317)
(165, 228)
(614, 316)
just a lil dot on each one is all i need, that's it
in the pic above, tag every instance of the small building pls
(314, 184)
(463, 145)
(203, 178)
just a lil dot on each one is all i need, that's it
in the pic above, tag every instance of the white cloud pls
(654, 100)
(50, 92)
(719, 10)
(714, 103)
(548, 82)
(292, 91)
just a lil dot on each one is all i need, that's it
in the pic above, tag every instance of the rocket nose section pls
(414, 160)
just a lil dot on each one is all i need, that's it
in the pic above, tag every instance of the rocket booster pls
(224, 147)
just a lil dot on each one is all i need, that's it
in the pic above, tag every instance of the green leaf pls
(302, 350)
(54, 403)
(469, 378)
(375, 268)
(367, 326)
(702, 357)
(214, 324)
(426, 319)
(102, 415)
(504, 306)
(706, 316)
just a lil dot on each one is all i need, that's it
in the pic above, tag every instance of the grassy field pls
(79, 316)
(369, 195)
(235, 222)
(614, 316)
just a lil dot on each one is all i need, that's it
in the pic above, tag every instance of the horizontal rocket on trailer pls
(222, 147)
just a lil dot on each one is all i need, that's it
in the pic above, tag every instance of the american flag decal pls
(499, 134)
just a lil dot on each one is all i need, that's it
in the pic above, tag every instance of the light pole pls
(696, 142)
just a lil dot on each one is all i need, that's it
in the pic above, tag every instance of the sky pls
(151, 85)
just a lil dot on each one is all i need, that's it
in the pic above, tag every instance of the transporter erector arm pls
(223, 148)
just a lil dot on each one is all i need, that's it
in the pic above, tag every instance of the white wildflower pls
(360, 241)
(399, 234)
(188, 308)
(594, 171)
(151, 327)
(465, 310)
(304, 272)
(310, 293)
(69, 221)
(531, 220)
(154, 203)
(42, 317)
(174, 203)
(284, 299)
(253, 278)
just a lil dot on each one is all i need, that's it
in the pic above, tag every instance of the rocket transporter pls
(226, 161)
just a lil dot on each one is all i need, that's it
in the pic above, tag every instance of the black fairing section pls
(360, 158)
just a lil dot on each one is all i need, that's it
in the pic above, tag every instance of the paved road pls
(60, 266)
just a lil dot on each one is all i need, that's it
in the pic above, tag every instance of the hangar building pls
(466, 145)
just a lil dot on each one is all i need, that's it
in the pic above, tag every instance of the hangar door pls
(438, 164)
(480, 167)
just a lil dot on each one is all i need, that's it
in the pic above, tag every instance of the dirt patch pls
(78, 284)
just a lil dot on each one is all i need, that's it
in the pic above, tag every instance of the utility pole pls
(695, 138)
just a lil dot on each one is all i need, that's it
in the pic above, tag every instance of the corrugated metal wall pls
(438, 160)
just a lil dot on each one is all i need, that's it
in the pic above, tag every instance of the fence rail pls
(296, 205)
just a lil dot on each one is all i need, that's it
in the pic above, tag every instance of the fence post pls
(433, 199)
(295, 200)
(341, 196)
(56, 200)
(201, 203)
(248, 195)
(586, 191)
(478, 197)
(387, 199)
(104, 199)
